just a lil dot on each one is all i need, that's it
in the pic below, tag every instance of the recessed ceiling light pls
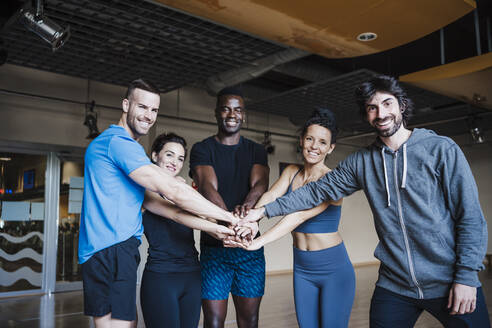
(367, 36)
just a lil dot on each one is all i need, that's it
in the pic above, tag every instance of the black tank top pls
(171, 245)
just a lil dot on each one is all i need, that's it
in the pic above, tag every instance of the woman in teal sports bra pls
(324, 278)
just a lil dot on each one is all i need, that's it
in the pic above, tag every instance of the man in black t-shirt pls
(232, 172)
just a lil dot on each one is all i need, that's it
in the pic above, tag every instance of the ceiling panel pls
(337, 94)
(117, 41)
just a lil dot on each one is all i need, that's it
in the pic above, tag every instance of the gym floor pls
(277, 308)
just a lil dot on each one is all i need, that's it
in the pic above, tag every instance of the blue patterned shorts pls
(234, 270)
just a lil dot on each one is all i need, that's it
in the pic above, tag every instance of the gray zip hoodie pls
(426, 212)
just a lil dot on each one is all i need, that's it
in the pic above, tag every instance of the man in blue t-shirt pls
(117, 173)
(232, 172)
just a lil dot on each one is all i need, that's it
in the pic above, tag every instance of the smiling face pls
(170, 158)
(383, 112)
(141, 111)
(230, 114)
(316, 144)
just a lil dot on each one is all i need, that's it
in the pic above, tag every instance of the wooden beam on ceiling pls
(330, 28)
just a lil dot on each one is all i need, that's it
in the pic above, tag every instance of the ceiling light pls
(475, 131)
(367, 36)
(477, 136)
(267, 143)
(91, 120)
(44, 27)
(5, 159)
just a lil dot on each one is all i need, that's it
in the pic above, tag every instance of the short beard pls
(396, 126)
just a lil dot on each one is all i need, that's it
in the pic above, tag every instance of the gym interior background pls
(288, 59)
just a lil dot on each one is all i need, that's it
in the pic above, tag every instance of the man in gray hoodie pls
(427, 214)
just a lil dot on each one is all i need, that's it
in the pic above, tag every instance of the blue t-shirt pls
(171, 245)
(111, 207)
(232, 165)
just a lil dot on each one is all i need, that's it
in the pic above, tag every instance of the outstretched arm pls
(284, 226)
(153, 178)
(336, 184)
(279, 188)
(258, 185)
(208, 184)
(155, 204)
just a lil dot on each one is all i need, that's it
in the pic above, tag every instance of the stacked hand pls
(245, 229)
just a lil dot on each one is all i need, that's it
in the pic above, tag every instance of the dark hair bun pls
(323, 113)
(325, 118)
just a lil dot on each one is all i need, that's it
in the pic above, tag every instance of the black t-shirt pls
(232, 165)
(171, 245)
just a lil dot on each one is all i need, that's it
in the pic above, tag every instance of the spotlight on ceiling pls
(477, 136)
(44, 27)
(475, 131)
(267, 143)
(91, 120)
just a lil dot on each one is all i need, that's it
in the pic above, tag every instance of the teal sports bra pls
(326, 221)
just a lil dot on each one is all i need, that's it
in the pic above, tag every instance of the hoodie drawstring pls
(404, 179)
(388, 197)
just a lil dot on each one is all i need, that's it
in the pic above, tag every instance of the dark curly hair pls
(383, 83)
(325, 118)
(163, 139)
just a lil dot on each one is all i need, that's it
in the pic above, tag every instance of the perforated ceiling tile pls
(118, 41)
(337, 94)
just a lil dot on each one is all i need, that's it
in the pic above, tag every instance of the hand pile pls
(243, 231)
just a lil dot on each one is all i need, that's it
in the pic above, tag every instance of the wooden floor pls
(277, 309)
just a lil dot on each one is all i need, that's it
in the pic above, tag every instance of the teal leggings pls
(324, 287)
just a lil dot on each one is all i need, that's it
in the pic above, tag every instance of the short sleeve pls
(127, 154)
(260, 155)
(199, 155)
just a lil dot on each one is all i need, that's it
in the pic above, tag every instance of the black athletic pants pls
(171, 300)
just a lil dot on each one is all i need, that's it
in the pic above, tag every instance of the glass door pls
(22, 222)
(68, 275)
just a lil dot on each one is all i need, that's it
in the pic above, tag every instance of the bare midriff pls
(315, 241)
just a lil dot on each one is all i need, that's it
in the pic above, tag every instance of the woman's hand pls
(254, 245)
(222, 232)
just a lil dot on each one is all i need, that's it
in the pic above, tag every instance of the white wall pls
(51, 122)
(480, 159)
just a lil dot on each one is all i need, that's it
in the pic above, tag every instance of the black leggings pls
(171, 300)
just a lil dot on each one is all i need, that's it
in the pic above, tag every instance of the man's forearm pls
(255, 194)
(192, 201)
(153, 178)
(213, 196)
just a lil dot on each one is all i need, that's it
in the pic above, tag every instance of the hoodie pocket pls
(446, 248)
(394, 261)
(434, 259)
